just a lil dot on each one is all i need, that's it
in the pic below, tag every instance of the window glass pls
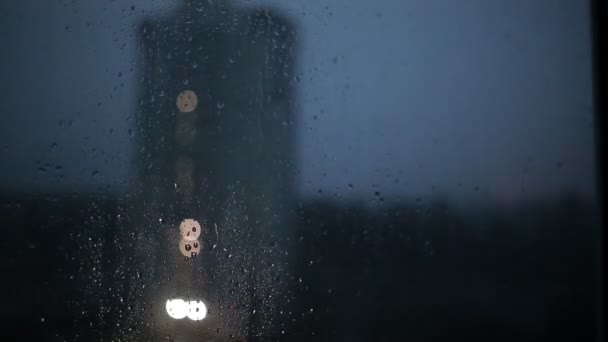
(298, 170)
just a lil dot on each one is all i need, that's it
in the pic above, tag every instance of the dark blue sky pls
(473, 100)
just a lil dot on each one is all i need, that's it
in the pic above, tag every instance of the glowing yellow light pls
(186, 101)
(196, 310)
(189, 248)
(177, 308)
(190, 229)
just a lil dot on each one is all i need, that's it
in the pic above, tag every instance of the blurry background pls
(444, 177)
(412, 98)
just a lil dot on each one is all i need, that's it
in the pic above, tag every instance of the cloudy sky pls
(473, 100)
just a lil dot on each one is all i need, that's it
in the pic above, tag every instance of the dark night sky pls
(409, 98)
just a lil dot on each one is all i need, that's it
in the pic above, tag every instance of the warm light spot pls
(190, 229)
(186, 101)
(196, 310)
(190, 248)
(177, 308)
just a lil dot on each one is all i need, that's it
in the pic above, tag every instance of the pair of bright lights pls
(179, 308)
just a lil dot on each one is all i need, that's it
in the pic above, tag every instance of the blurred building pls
(214, 133)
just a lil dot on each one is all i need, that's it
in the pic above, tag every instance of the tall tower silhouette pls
(214, 144)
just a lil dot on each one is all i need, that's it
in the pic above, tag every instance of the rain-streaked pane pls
(254, 170)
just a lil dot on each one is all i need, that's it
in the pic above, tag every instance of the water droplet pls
(220, 105)
(42, 319)
(195, 245)
(188, 247)
(193, 255)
